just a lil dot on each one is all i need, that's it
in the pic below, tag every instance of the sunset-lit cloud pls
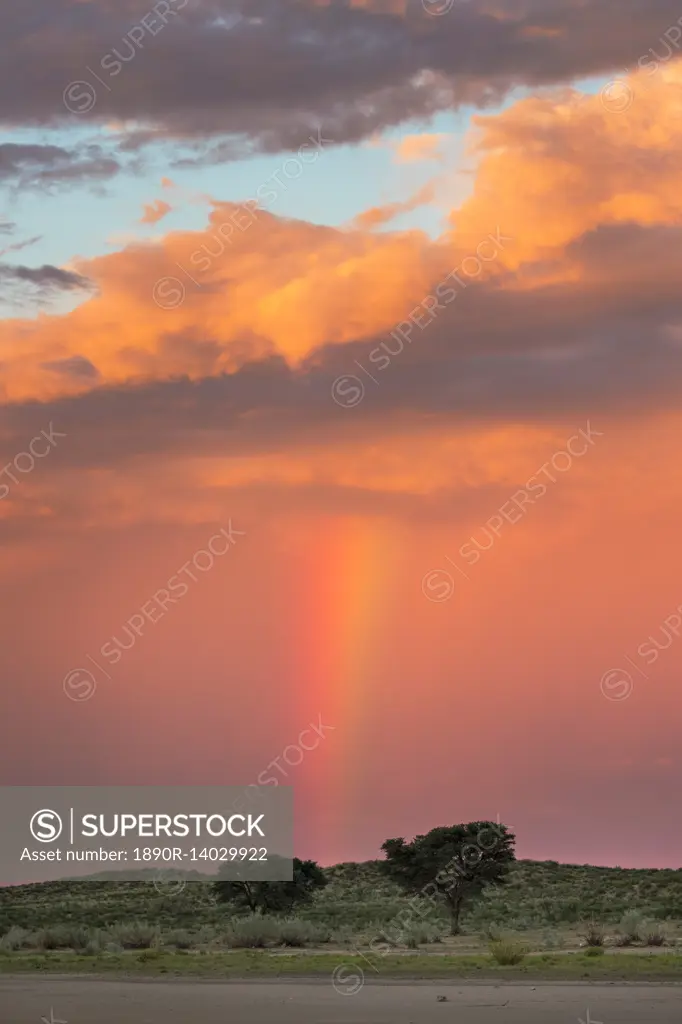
(413, 148)
(377, 216)
(154, 212)
(557, 177)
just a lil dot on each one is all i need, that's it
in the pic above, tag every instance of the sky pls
(340, 371)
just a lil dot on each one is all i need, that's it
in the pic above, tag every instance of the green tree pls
(271, 897)
(452, 864)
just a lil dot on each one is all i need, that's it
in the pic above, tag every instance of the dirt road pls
(69, 1000)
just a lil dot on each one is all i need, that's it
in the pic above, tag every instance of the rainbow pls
(343, 604)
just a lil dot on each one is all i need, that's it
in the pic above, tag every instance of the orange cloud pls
(560, 165)
(292, 287)
(413, 148)
(551, 170)
(156, 211)
(377, 216)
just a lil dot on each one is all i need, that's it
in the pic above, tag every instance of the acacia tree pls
(452, 864)
(271, 897)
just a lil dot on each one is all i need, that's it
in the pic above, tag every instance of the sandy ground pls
(60, 1000)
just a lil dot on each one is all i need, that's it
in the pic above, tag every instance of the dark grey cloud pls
(46, 277)
(34, 165)
(272, 70)
(16, 157)
(18, 246)
(75, 366)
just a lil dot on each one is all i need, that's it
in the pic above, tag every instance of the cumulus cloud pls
(237, 333)
(558, 176)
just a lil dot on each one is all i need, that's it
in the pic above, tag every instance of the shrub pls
(594, 951)
(179, 938)
(48, 938)
(655, 936)
(433, 932)
(594, 936)
(148, 955)
(387, 936)
(416, 935)
(630, 930)
(319, 933)
(507, 952)
(17, 938)
(255, 932)
(136, 935)
(296, 933)
(206, 935)
(344, 935)
(63, 937)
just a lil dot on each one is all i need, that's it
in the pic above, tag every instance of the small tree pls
(272, 897)
(451, 864)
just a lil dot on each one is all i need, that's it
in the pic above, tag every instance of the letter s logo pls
(46, 826)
